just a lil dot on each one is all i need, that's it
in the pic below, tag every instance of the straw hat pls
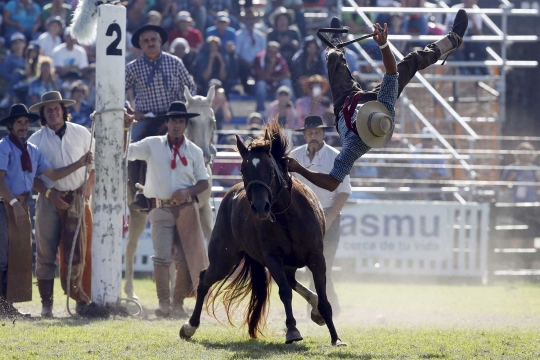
(315, 79)
(49, 98)
(281, 11)
(374, 124)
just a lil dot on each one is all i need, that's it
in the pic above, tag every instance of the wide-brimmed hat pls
(281, 11)
(137, 34)
(16, 111)
(374, 124)
(315, 79)
(314, 122)
(178, 109)
(49, 98)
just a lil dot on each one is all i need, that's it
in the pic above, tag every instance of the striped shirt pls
(352, 146)
(156, 97)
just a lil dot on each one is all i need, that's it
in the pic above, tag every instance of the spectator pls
(283, 109)
(22, 16)
(358, 27)
(315, 102)
(168, 10)
(318, 156)
(184, 30)
(272, 71)
(233, 68)
(254, 120)
(216, 7)
(81, 110)
(305, 63)
(31, 58)
(250, 42)
(210, 63)
(180, 48)
(69, 56)
(136, 15)
(523, 193)
(470, 51)
(57, 8)
(46, 81)
(427, 146)
(220, 105)
(198, 13)
(154, 18)
(89, 79)
(294, 5)
(221, 29)
(13, 66)
(284, 33)
(60, 142)
(51, 38)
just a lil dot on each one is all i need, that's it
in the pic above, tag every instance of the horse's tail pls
(248, 276)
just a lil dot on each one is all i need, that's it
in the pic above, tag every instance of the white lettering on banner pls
(392, 230)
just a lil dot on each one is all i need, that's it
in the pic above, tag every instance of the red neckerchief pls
(176, 151)
(26, 162)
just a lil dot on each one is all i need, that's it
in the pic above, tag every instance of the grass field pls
(378, 321)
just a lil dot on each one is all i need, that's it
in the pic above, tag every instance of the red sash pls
(349, 107)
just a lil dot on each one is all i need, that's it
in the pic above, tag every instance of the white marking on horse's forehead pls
(256, 161)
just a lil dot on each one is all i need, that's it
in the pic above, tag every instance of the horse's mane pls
(274, 140)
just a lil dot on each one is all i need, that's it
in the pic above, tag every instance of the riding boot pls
(46, 288)
(454, 38)
(182, 288)
(161, 277)
(7, 310)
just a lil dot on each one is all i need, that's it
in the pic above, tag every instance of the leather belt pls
(169, 203)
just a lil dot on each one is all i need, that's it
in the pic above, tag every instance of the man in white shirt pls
(316, 155)
(175, 175)
(69, 56)
(59, 202)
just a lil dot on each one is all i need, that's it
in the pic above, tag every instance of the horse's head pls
(200, 129)
(263, 170)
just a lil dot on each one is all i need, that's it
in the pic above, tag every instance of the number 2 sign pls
(112, 49)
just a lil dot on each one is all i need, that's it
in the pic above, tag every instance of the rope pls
(81, 214)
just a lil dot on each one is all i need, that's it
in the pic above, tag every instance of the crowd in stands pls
(267, 53)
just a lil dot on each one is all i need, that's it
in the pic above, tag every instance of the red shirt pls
(280, 68)
(193, 37)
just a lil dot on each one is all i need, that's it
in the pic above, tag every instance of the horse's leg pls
(307, 294)
(275, 266)
(137, 224)
(318, 269)
(219, 268)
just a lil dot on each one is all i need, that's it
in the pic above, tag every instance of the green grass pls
(378, 321)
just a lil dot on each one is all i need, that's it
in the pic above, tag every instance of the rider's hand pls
(381, 35)
(128, 119)
(86, 159)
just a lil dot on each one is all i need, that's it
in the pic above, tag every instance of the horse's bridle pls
(282, 185)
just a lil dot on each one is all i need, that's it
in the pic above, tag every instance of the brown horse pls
(270, 223)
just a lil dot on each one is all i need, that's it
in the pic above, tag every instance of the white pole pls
(108, 194)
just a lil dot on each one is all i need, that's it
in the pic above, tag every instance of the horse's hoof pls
(339, 343)
(317, 318)
(187, 331)
(292, 336)
(132, 296)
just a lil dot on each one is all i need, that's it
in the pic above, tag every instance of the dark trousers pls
(342, 83)
(331, 241)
